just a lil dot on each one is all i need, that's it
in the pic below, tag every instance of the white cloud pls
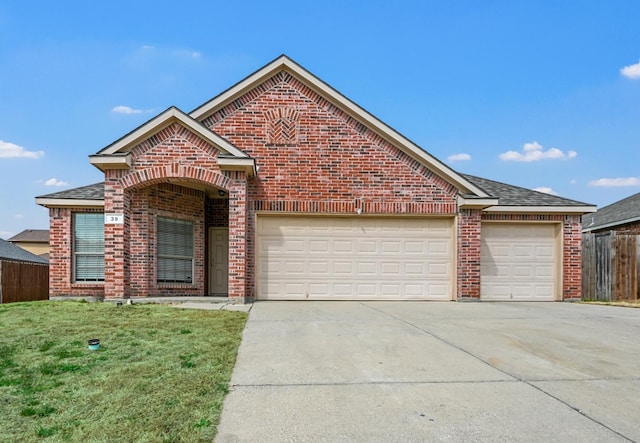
(11, 150)
(18, 216)
(6, 234)
(126, 110)
(534, 151)
(631, 71)
(616, 182)
(458, 157)
(545, 190)
(55, 182)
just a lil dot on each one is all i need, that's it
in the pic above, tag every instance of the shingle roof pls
(621, 212)
(509, 195)
(10, 251)
(31, 235)
(89, 192)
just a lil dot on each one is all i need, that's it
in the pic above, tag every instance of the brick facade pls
(469, 230)
(312, 157)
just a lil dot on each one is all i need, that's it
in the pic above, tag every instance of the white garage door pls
(342, 258)
(519, 262)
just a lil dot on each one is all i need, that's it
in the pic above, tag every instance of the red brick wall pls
(169, 173)
(571, 247)
(163, 200)
(320, 160)
(61, 257)
(469, 236)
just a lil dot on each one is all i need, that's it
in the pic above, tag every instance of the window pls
(175, 251)
(88, 247)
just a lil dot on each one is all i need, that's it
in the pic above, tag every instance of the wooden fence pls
(610, 266)
(22, 281)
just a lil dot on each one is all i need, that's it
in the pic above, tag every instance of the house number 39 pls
(113, 219)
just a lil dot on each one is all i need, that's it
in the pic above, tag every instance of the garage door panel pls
(439, 247)
(367, 246)
(342, 268)
(390, 270)
(354, 257)
(518, 261)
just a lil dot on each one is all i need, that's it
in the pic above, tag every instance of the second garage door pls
(519, 262)
(342, 258)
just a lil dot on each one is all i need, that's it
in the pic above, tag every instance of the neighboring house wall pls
(34, 248)
(629, 228)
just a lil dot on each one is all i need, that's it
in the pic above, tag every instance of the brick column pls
(469, 229)
(115, 238)
(572, 258)
(60, 251)
(238, 238)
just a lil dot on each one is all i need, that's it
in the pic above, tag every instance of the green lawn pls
(160, 374)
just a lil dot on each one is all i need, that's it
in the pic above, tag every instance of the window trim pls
(76, 253)
(175, 256)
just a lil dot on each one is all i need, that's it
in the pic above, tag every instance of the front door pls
(219, 261)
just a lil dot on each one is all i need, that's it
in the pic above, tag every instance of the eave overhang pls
(113, 161)
(68, 203)
(472, 202)
(542, 209)
(229, 163)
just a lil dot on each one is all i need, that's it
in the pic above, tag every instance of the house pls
(35, 241)
(622, 216)
(282, 188)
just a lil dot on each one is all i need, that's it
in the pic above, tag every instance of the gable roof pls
(9, 251)
(621, 212)
(31, 236)
(86, 196)
(117, 154)
(517, 199)
(284, 63)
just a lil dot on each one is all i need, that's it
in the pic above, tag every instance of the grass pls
(160, 374)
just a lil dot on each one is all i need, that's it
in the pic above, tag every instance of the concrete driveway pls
(429, 371)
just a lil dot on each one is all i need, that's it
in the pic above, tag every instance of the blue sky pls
(539, 94)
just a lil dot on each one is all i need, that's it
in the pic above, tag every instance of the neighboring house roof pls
(619, 213)
(90, 195)
(9, 251)
(517, 197)
(31, 236)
